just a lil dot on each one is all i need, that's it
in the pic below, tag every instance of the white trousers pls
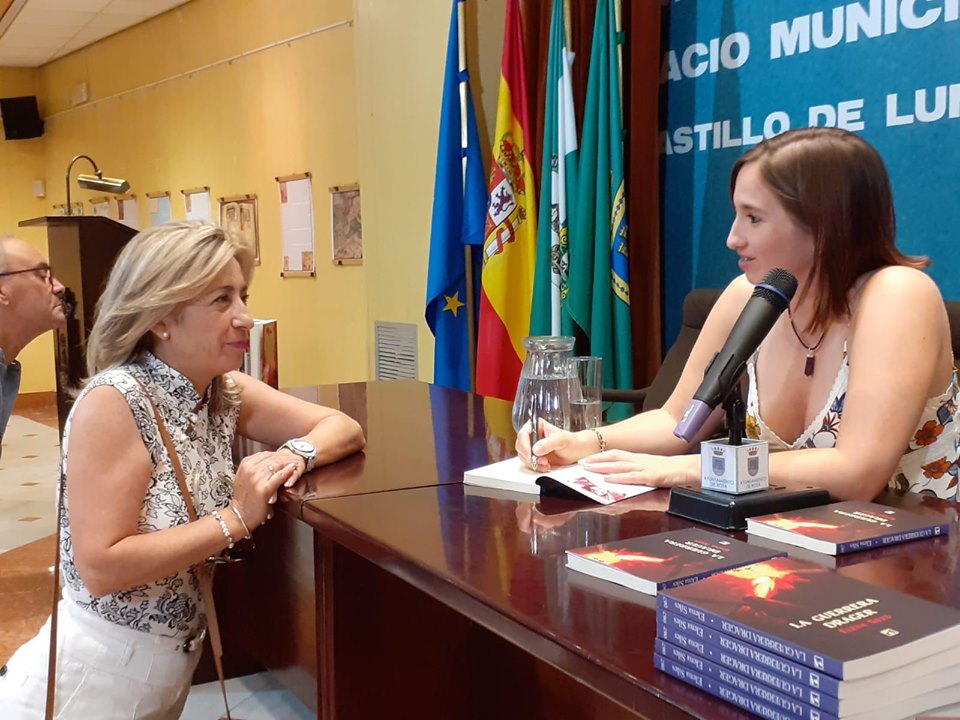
(104, 672)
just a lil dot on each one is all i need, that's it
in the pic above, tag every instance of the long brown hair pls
(833, 184)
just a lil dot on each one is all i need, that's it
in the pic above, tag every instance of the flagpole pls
(467, 249)
(618, 26)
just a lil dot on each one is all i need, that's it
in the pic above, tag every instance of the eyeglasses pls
(44, 270)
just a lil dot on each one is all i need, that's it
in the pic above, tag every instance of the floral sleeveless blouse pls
(931, 461)
(171, 606)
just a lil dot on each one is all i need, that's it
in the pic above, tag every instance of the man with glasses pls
(30, 304)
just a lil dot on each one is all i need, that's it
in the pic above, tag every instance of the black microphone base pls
(730, 512)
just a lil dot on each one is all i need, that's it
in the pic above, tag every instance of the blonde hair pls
(158, 270)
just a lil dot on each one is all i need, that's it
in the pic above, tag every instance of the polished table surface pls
(418, 435)
(498, 559)
(502, 564)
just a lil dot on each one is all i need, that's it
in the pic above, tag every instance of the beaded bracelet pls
(603, 443)
(236, 511)
(223, 526)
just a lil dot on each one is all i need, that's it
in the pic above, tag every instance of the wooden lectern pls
(81, 250)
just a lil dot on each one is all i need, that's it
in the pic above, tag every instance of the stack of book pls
(784, 638)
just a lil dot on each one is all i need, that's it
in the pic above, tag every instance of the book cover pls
(654, 562)
(846, 526)
(817, 617)
(569, 481)
(827, 708)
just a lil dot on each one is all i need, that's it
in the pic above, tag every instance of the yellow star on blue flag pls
(453, 303)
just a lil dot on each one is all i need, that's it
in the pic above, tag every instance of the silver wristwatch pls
(305, 449)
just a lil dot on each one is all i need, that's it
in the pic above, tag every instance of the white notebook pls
(568, 481)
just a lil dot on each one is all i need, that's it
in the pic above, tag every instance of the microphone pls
(770, 298)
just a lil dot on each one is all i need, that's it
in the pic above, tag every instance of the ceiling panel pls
(38, 31)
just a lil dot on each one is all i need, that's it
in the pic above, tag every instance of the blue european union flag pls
(459, 213)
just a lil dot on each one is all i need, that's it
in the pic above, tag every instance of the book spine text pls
(789, 697)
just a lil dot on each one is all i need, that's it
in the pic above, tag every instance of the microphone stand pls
(730, 511)
(736, 412)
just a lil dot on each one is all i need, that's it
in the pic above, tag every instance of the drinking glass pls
(585, 389)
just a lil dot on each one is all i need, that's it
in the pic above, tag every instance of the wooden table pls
(397, 591)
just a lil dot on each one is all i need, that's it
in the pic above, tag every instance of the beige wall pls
(22, 162)
(401, 49)
(233, 127)
(356, 103)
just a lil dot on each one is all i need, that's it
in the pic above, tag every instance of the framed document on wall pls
(238, 215)
(127, 211)
(296, 225)
(160, 210)
(196, 203)
(347, 228)
(101, 206)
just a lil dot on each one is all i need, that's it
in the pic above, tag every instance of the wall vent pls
(396, 351)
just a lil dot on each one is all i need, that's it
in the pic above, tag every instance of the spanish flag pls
(510, 243)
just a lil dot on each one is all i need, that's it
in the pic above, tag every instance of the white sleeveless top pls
(931, 461)
(171, 606)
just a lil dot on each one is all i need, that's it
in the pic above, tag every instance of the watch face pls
(302, 446)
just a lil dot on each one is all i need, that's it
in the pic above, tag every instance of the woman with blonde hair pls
(160, 412)
(855, 384)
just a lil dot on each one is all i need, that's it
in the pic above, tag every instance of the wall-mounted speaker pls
(21, 118)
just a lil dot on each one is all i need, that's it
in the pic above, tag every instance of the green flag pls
(599, 285)
(558, 182)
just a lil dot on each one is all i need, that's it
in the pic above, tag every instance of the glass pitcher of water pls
(544, 386)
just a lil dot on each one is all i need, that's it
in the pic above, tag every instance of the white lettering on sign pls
(723, 134)
(942, 102)
(729, 53)
(857, 21)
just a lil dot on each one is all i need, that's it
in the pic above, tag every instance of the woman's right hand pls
(259, 477)
(555, 447)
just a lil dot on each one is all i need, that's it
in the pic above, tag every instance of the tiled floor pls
(28, 480)
(28, 472)
(254, 697)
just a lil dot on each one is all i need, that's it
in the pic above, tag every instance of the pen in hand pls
(534, 434)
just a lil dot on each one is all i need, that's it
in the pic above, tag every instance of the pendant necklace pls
(810, 365)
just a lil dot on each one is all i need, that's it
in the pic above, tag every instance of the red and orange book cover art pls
(847, 526)
(665, 559)
(817, 616)
(599, 492)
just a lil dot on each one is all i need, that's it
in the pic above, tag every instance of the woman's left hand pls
(620, 466)
(284, 457)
